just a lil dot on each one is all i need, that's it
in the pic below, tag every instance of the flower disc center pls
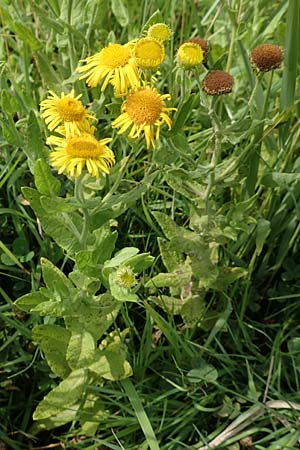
(144, 107)
(84, 146)
(70, 109)
(115, 55)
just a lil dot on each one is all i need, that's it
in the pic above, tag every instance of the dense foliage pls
(153, 299)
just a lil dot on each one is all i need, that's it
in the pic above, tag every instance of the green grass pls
(216, 204)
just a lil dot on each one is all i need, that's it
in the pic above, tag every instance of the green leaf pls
(179, 278)
(55, 205)
(45, 182)
(91, 414)
(34, 147)
(120, 12)
(33, 197)
(56, 24)
(47, 72)
(9, 103)
(168, 226)
(171, 305)
(182, 116)
(55, 280)
(169, 256)
(10, 132)
(62, 397)
(156, 17)
(205, 373)
(120, 258)
(228, 275)
(64, 228)
(279, 179)
(81, 350)
(85, 261)
(56, 420)
(181, 182)
(24, 33)
(139, 263)
(111, 366)
(52, 308)
(26, 36)
(193, 310)
(29, 301)
(263, 230)
(95, 318)
(104, 244)
(53, 340)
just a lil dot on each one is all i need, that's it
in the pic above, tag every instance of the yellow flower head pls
(204, 44)
(73, 153)
(113, 64)
(190, 55)
(65, 110)
(145, 112)
(160, 31)
(149, 53)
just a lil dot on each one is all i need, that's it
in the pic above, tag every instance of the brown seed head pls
(204, 44)
(266, 57)
(217, 82)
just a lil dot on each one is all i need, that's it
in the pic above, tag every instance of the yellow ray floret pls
(74, 153)
(145, 112)
(65, 110)
(114, 65)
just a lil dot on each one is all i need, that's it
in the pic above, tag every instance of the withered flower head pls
(266, 57)
(217, 82)
(204, 44)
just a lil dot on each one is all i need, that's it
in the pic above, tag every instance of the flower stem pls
(79, 195)
(215, 153)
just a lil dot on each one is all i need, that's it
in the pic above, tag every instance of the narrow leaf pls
(45, 182)
(120, 12)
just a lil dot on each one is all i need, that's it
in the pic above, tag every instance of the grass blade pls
(140, 414)
(292, 48)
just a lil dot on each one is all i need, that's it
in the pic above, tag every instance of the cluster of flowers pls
(143, 110)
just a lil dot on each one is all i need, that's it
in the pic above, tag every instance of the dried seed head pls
(217, 82)
(266, 57)
(204, 44)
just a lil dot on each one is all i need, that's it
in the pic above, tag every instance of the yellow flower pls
(73, 153)
(144, 111)
(160, 31)
(204, 44)
(113, 64)
(190, 55)
(130, 45)
(65, 110)
(149, 53)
